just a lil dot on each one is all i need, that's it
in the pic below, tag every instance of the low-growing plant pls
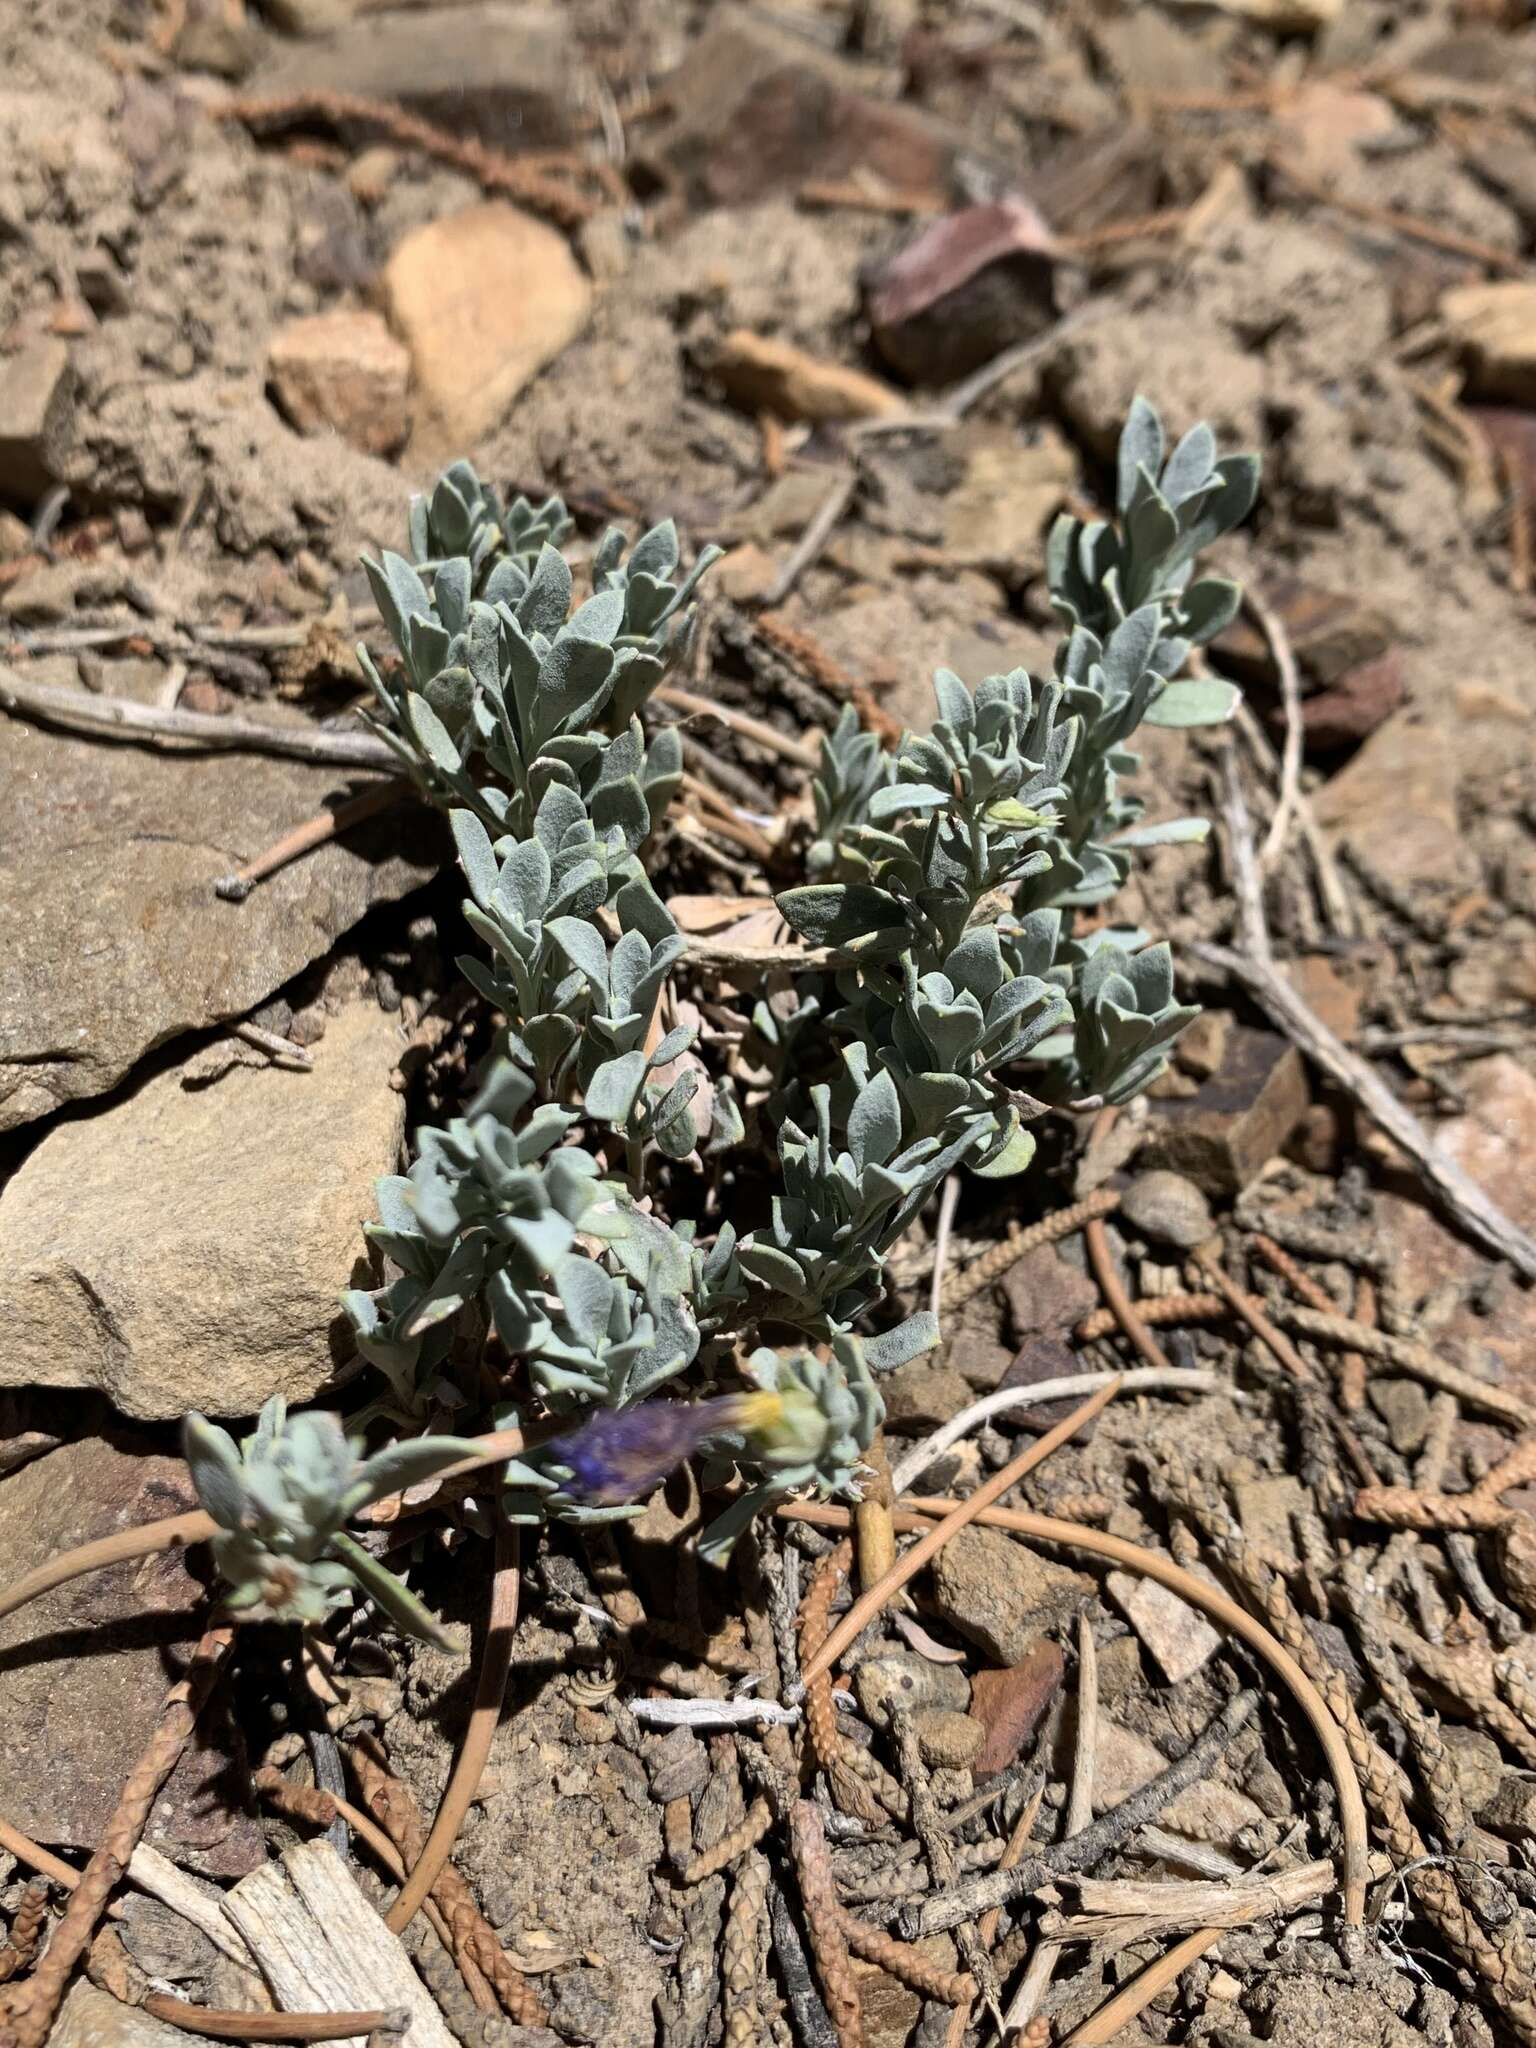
(953, 993)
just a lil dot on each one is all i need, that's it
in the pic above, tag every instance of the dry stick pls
(1403, 223)
(1035, 1982)
(1337, 907)
(1071, 1387)
(1344, 1333)
(31, 2006)
(320, 1808)
(490, 1692)
(1272, 626)
(949, 1201)
(939, 1855)
(1023, 1827)
(997, 1888)
(802, 752)
(302, 839)
(121, 718)
(992, 1265)
(818, 532)
(823, 1922)
(1112, 2018)
(1218, 1606)
(1461, 1195)
(232, 2025)
(906, 1567)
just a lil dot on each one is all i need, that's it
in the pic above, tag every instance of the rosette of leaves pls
(504, 689)
(829, 1411)
(1101, 571)
(281, 1500)
(463, 516)
(853, 766)
(844, 1204)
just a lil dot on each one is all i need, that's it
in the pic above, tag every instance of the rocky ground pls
(262, 268)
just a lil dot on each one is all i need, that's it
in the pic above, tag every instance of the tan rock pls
(186, 1248)
(1180, 1638)
(1001, 1594)
(1395, 802)
(1326, 993)
(1495, 327)
(746, 574)
(343, 372)
(1238, 1119)
(997, 515)
(37, 389)
(89, 2018)
(766, 375)
(1208, 1811)
(1321, 127)
(483, 299)
(949, 1742)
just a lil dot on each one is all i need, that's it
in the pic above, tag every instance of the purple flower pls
(621, 1454)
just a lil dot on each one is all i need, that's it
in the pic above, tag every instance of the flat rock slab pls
(108, 859)
(186, 1247)
(85, 1669)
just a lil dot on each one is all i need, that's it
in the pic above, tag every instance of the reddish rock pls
(1395, 802)
(1326, 993)
(1330, 631)
(760, 110)
(1234, 1122)
(1010, 1704)
(967, 287)
(84, 1670)
(1355, 706)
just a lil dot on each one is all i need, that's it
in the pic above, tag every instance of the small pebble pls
(903, 1679)
(1168, 1209)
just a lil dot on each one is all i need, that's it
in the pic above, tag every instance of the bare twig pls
(1071, 1387)
(1111, 2019)
(1272, 626)
(803, 752)
(818, 531)
(1462, 1197)
(1082, 1850)
(1247, 873)
(121, 718)
(1199, 1593)
(1337, 908)
(302, 839)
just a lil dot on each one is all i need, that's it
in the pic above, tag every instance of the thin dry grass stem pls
(992, 1265)
(469, 1767)
(1036, 1980)
(30, 2006)
(1272, 626)
(314, 832)
(823, 1919)
(36, 1857)
(1210, 1601)
(864, 1609)
(804, 753)
(1111, 2019)
(175, 1532)
(1121, 1306)
(1406, 224)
